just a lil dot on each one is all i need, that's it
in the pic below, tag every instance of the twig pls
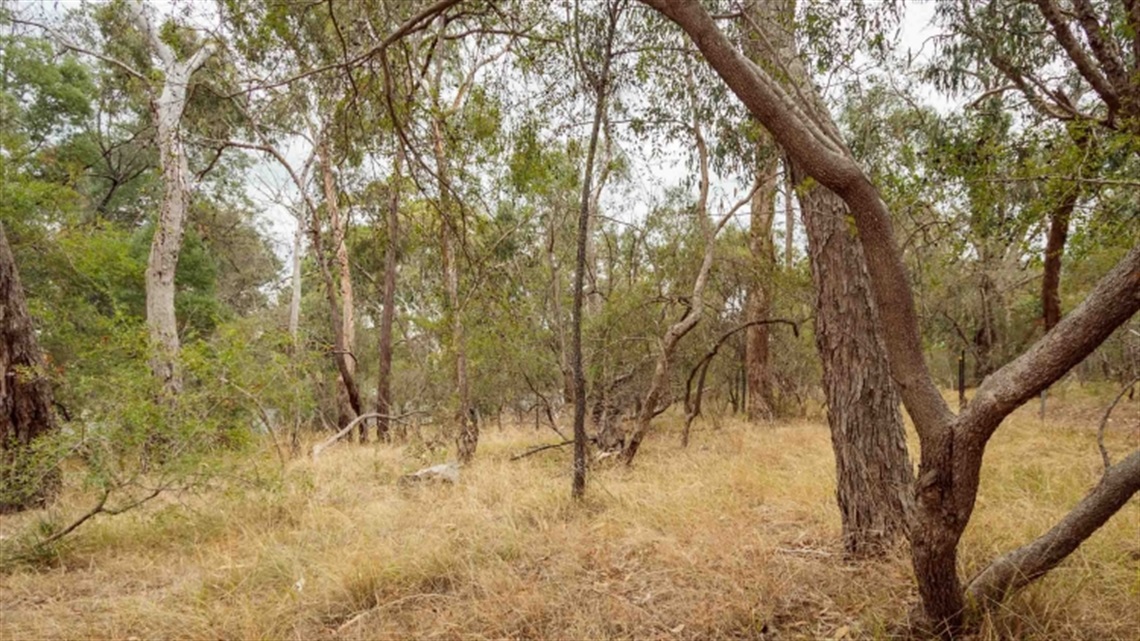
(1104, 423)
(541, 448)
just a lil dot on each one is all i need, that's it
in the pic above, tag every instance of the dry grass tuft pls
(735, 537)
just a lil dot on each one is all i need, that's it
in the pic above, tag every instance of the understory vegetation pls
(736, 536)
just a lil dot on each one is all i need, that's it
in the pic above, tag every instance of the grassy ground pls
(735, 537)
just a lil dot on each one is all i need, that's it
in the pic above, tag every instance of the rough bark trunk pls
(759, 398)
(167, 106)
(1024, 565)
(25, 397)
(873, 470)
(388, 299)
(952, 447)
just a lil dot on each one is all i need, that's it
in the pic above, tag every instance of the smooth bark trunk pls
(347, 409)
(167, 107)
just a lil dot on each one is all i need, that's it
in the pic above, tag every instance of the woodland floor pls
(735, 537)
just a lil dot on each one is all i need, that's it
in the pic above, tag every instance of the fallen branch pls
(332, 440)
(541, 448)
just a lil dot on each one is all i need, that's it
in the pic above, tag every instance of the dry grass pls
(736, 537)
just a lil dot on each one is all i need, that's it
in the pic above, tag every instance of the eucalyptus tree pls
(168, 102)
(26, 412)
(952, 445)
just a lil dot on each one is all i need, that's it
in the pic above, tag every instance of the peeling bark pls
(167, 106)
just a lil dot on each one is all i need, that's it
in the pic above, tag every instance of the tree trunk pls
(387, 316)
(952, 446)
(347, 410)
(295, 300)
(1051, 275)
(468, 438)
(167, 107)
(659, 384)
(873, 471)
(789, 217)
(25, 397)
(759, 398)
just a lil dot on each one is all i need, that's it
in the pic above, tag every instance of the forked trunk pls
(167, 106)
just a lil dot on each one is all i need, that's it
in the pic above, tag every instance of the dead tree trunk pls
(387, 316)
(167, 106)
(25, 396)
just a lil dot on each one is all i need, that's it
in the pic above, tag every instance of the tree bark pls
(387, 316)
(1024, 565)
(952, 447)
(873, 471)
(468, 437)
(167, 107)
(759, 401)
(347, 409)
(25, 397)
(601, 94)
(295, 299)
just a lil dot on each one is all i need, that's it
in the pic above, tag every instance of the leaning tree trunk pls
(873, 471)
(387, 316)
(952, 446)
(168, 107)
(25, 396)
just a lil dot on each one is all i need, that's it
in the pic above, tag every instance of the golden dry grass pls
(735, 537)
